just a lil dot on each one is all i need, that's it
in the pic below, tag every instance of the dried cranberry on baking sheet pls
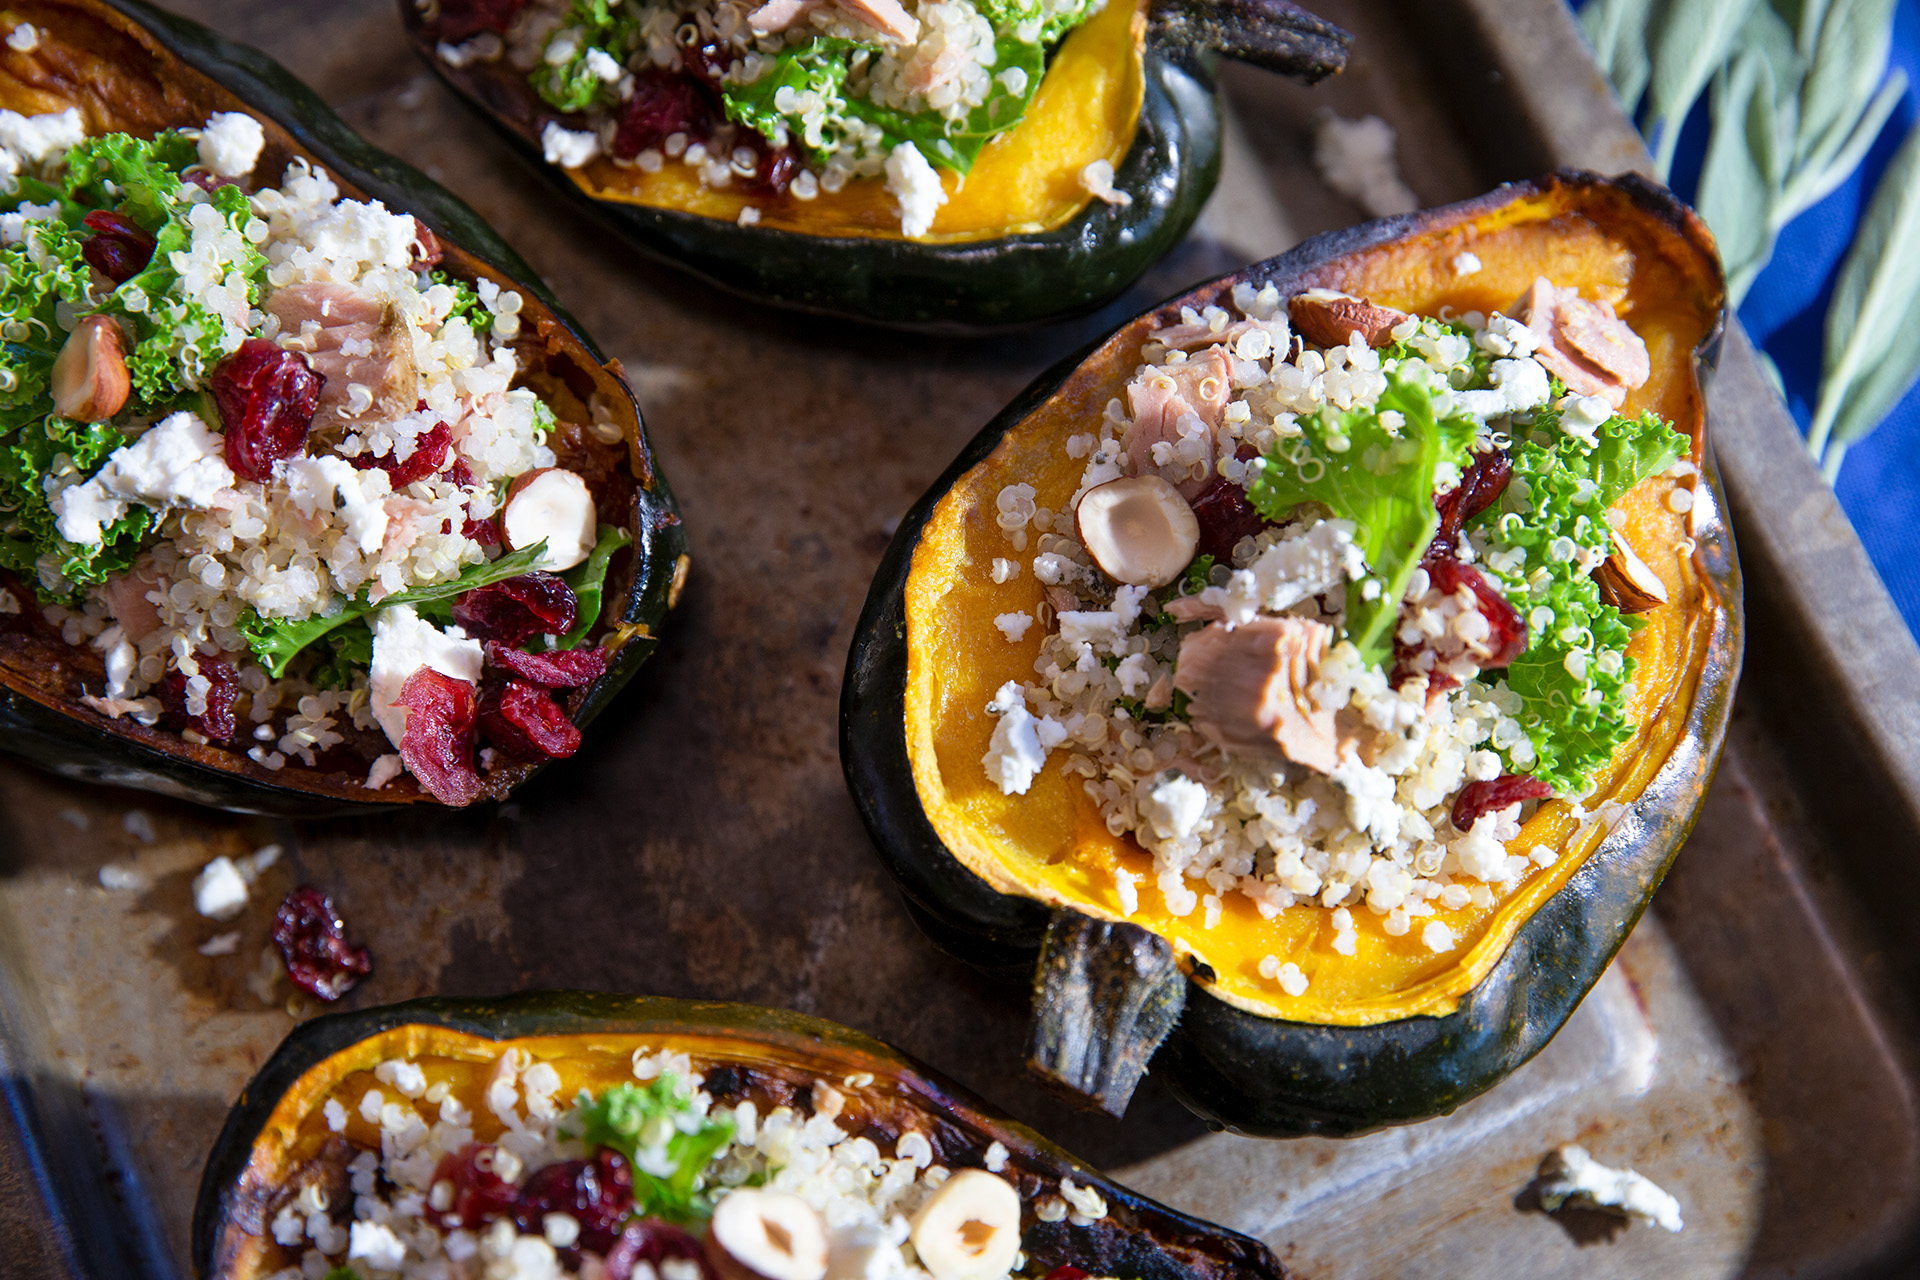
(518, 609)
(479, 1194)
(554, 669)
(267, 397)
(223, 688)
(526, 723)
(598, 1193)
(312, 937)
(1478, 798)
(119, 247)
(438, 744)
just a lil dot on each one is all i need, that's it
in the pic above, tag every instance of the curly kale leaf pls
(1377, 467)
(816, 67)
(137, 177)
(466, 302)
(664, 1139)
(1544, 539)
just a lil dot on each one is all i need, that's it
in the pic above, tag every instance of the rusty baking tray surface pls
(1748, 1050)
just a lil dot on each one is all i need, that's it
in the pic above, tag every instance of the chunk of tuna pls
(126, 596)
(887, 17)
(1162, 396)
(1582, 342)
(1249, 689)
(356, 339)
(1329, 318)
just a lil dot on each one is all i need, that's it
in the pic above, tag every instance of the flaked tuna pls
(1249, 689)
(358, 341)
(1583, 343)
(1162, 397)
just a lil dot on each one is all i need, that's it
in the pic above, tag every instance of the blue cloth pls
(1785, 312)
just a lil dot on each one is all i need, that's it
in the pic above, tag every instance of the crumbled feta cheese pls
(1020, 742)
(37, 139)
(1355, 158)
(376, 1245)
(1465, 263)
(112, 877)
(1097, 181)
(384, 770)
(996, 1158)
(230, 144)
(313, 483)
(403, 643)
(177, 462)
(568, 148)
(600, 64)
(1569, 1173)
(1175, 807)
(24, 38)
(219, 892)
(220, 944)
(916, 189)
(1013, 625)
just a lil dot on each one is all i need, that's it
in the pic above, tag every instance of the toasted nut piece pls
(969, 1228)
(1328, 318)
(766, 1235)
(554, 504)
(90, 381)
(1139, 530)
(1627, 583)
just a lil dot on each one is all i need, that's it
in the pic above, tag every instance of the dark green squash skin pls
(979, 286)
(1154, 1243)
(86, 749)
(1263, 1076)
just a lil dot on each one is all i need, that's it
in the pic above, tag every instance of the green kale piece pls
(1379, 476)
(606, 25)
(819, 66)
(1435, 342)
(1030, 20)
(588, 580)
(349, 653)
(956, 144)
(657, 1118)
(136, 177)
(466, 302)
(1551, 521)
(276, 641)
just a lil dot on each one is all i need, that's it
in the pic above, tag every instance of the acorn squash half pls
(1020, 240)
(277, 1139)
(130, 68)
(1395, 1032)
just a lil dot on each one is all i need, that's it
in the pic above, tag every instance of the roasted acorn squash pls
(1020, 240)
(133, 69)
(1394, 1032)
(277, 1139)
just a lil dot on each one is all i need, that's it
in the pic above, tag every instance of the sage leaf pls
(1872, 353)
(1692, 39)
(1738, 180)
(1810, 184)
(1617, 30)
(1846, 66)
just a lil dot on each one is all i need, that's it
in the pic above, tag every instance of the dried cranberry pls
(524, 721)
(663, 103)
(1066, 1273)
(223, 687)
(119, 247)
(438, 744)
(518, 609)
(313, 940)
(460, 473)
(462, 18)
(429, 451)
(484, 532)
(1507, 635)
(773, 167)
(554, 669)
(479, 1194)
(598, 1193)
(1477, 798)
(653, 1241)
(267, 397)
(1478, 489)
(1225, 516)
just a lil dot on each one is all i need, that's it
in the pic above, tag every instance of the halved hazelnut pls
(1329, 318)
(969, 1228)
(1139, 530)
(1627, 583)
(553, 504)
(766, 1235)
(90, 382)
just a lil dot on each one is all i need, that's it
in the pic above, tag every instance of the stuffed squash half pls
(1339, 652)
(309, 495)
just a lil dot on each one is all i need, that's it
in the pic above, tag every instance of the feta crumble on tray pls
(278, 470)
(459, 1169)
(781, 98)
(1334, 604)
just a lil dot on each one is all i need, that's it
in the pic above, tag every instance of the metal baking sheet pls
(1749, 1050)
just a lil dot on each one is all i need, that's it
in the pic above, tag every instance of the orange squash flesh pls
(1026, 180)
(1052, 843)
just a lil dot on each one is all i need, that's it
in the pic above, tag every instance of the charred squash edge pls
(1263, 1076)
(980, 285)
(78, 743)
(231, 1195)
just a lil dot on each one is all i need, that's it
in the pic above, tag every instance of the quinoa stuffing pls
(674, 1174)
(1339, 600)
(781, 97)
(280, 470)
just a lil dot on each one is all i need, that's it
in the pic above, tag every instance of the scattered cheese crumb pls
(1569, 1173)
(24, 38)
(1013, 625)
(996, 1158)
(1355, 158)
(219, 891)
(568, 148)
(1466, 263)
(1097, 180)
(112, 877)
(220, 944)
